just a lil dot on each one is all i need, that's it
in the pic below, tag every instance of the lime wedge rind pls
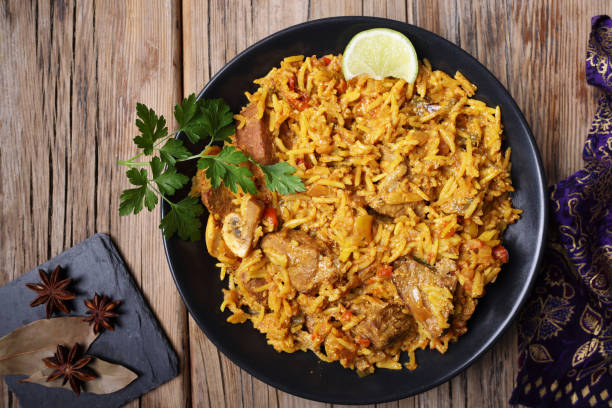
(380, 53)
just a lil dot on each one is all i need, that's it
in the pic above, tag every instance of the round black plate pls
(303, 374)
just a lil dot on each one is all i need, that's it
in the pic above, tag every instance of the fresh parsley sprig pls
(204, 119)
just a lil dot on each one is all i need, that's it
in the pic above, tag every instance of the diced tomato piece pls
(326, 60)
(346, 316)
(500, 253)
(291, 82)
(270, 215)
(300, 104)
(363, 341)
(384, 271)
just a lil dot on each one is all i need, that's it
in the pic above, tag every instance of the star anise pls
(51, 291)
(101, 312)
(66, 365)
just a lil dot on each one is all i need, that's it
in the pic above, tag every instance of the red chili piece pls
(500, 253)
(270, 215)
(363, 341)
(384, 271)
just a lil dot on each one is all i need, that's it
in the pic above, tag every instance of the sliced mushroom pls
(214, 239)
(239, 229)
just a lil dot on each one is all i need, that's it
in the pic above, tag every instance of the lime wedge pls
(380, 53)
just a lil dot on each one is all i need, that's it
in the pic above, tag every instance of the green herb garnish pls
(200, 120)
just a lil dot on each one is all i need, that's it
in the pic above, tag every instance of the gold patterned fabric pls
(565, 329)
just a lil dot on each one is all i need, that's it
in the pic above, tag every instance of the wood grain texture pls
(71, 72)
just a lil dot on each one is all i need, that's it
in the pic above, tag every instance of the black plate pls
(303, 374)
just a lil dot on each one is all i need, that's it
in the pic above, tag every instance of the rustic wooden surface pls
(71, 72)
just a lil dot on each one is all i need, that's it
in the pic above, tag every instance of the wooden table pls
(72, 71)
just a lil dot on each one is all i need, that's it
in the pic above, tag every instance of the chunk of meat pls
(286, 135)
(239, 229)
(308, 262)
(218, 200)
(464, 308)
(263, 192)
(457, 205)
(394, 196)
(252, 286)
(382, 325)
(255, 138)
(416, 283)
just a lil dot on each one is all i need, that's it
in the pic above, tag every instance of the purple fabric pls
(565, 329)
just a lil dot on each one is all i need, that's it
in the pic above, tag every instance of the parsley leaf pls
(226, 167)
(217, 119)
(172, 151)
(189, 118)
(170, 181)
(150, 199)
(137, 177)
(183, 218)
(184, 113)
(280, 178)
(157, 166)
(204, 118)
(131, 200)
(167, 182)
(151, 128)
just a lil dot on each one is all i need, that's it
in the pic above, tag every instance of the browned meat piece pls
(411, 279)
(218, 200)
(254, 138)
(464, 308)
(286, 135)
(383, 325)
(308, 261)
(393, 196)
(252, 284)
(457, 205)
(263, 193)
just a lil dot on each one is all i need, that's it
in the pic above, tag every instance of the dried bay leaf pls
(110, 377)
(22, 350)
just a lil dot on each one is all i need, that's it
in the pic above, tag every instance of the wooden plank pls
(36, 66)
(394, 10)
(555, 98)
(139, 60)
(74, 70)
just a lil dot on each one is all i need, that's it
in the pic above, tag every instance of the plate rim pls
(509, 318)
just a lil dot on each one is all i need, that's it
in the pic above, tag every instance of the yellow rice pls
(453, 146)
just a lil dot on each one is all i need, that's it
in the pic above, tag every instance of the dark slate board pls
(138, 342)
